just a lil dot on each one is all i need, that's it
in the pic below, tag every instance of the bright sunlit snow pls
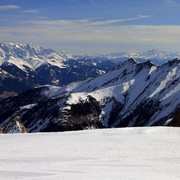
(127, 154)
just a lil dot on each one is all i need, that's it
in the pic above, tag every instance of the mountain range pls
(156, 56)
(131, 94)
(25, 66)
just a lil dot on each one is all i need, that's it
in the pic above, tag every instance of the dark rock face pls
(83, 115)
(12, 105)
(47, 116)
(175, 118)
(140, 115)
(114, 113)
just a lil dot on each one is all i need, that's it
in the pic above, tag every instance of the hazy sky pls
(92, 26)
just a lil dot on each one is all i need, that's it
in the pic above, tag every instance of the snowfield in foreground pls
(127, 154)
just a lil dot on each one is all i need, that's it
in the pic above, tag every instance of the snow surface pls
(128, 154)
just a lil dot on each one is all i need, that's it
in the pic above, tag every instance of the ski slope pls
(127, 154)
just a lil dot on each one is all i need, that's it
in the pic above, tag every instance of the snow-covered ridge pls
(30, 55)
(130, 84)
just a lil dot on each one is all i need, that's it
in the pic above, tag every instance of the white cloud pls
(89, 22)
(114, 21)
(30, 11)
(9, 7)
(88, 36)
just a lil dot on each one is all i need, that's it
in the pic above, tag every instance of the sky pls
(92, 26)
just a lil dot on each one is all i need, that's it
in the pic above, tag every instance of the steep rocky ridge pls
(132, 94)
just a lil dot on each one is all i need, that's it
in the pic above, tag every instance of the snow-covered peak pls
(18, 50)
(137, 87)
(33, 56)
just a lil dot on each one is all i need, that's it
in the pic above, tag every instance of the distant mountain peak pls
(173, 62)
(132, 60)
(30, 55)
(155, 55)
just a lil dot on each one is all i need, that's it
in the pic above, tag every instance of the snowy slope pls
(23, 55)
(131, 153)
(132, 94)
(132, 84)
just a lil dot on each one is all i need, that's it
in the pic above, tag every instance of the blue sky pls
(92, 26)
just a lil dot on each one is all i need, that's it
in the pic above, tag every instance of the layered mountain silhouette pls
(25, 66)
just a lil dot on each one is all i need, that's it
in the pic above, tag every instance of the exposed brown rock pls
(2, 130)
(20, 125)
